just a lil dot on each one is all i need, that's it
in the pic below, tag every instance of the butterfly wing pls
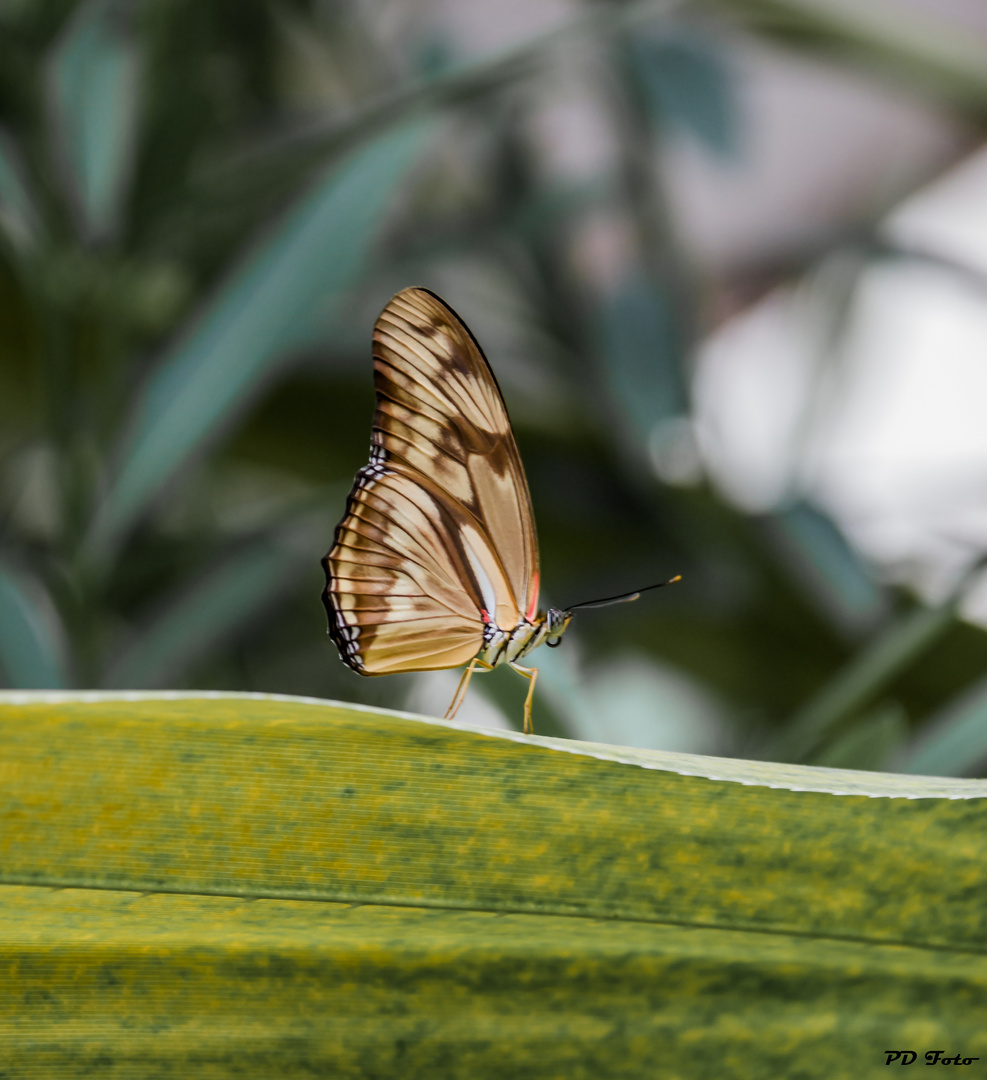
(440, 410)
(438, 536)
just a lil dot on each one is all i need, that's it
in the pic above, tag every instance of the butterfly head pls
(556, 622)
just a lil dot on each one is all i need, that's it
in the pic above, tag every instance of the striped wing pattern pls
(438, 535)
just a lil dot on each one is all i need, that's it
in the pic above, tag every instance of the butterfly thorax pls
(506, 646)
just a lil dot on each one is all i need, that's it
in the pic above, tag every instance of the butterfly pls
(435, 562)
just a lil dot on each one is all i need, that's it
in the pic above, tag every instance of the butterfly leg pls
(464, 682)
(531, 674)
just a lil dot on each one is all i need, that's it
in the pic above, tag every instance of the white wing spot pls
(487, 590)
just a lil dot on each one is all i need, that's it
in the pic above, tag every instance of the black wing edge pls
(346, 649)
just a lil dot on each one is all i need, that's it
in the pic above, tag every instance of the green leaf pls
(31, 647)
(688, 84)
(865, 676)
(292, 888)
(953, 742)
(870, 743)
(641, 343)
(17, 212)
(827, 568)
(93, 85)
(264, 307)
(207, 613)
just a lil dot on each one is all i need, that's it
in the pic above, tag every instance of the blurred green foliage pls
(203, 206)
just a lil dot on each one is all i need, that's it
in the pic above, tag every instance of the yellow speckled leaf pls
(236, 885)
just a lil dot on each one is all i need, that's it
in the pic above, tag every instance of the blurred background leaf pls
(641, 353)
(31, 652)
(667, 223)
(94, 90)
(207, 613)
(687, 80)
(952, 742)
(872, 669)
(829, 569)
(17, 213)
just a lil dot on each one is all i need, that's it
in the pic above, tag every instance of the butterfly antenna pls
(624, 598)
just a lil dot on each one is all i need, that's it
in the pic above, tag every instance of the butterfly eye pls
(553, 643)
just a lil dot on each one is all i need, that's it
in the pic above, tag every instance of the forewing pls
(440, 412)
(409, 576)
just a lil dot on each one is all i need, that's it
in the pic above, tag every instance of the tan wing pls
(409, 576)
(440, 411)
